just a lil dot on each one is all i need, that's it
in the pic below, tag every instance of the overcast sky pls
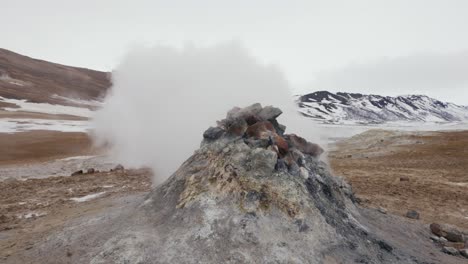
(384, 47)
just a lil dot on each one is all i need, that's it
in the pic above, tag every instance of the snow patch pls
(10, 125)
(77, 158)
(31, 215)
(87, 197)
(46, 108)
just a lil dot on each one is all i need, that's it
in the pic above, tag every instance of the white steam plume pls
(163, 99)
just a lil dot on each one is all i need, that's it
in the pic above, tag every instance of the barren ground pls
(434, 162)
(400, 171)
(32, 208)
(39, 146)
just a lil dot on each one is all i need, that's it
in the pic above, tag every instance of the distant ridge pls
(39, 81)
(345, 107)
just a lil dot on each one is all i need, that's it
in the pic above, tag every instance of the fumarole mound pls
(253, 194)
(250, 194)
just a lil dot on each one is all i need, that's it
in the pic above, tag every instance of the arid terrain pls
(401, 171)
(34, 202)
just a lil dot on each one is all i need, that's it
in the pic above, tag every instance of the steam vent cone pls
(250, 194)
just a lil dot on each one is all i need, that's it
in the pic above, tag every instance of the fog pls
(439, 75)
(163, 98)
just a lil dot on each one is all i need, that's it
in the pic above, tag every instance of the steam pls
(163, 98)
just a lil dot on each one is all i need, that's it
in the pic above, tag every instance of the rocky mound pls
(253, 194)
(250, 194)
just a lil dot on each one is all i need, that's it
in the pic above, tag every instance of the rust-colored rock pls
(281, 143)
(303, 145)
(437, 230)
(261, 130)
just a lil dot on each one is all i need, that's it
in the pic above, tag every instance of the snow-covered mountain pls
(359, 108)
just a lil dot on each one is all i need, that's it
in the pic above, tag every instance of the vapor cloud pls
(440, 75)
(163, 98)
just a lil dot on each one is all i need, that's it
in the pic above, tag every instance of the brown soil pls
(50, 200)
(433, 168)
(38, 146)
(31, 115)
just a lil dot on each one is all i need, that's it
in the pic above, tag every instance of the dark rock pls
(119, 167)
(450, 251)
(281, 165)
(303, 227)
(91, 171)
(464, 252)
(404, 178)
(454, 235)
(280, 129)
(412, 214)
(385, 246)
(252, 119)
(77, 173)
(213, 133)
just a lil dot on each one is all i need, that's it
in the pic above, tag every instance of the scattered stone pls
(436, 229)
(412, 214)
(448, 232)
(450, 251)
(443, 240)
(382, 210)
(435, 238)
(385, 246)
(77, 173)
(464, 252)
(404, 178)
(302, 145)
(213, 133)
(119, 168)
(91, 171)
(454, 235)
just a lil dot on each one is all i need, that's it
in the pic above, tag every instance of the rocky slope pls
(39, 81)
(358, 108)
(250, 194)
